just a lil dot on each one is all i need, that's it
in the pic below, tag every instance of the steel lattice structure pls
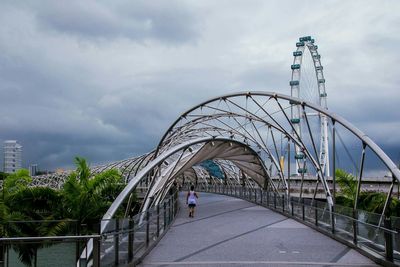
(246, 134)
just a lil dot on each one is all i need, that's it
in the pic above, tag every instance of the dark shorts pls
(192, 205)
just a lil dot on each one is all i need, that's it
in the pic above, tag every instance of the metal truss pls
(251, 137)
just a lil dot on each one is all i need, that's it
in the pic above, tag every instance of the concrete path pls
(232, 232)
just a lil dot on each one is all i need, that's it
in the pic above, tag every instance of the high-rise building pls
(33, 169)
(12, 156)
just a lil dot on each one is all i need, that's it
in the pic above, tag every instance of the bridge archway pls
(256, 121)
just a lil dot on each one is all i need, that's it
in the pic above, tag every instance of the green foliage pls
(348, 187)
(3, 175)
(43, 211)
(369, 201)
(86, 197)
(16, 181)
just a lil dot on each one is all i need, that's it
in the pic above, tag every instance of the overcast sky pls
(105, 79)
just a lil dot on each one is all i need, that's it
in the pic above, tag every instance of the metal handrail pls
(278, 205)
(47, 238)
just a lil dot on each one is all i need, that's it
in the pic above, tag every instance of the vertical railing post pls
(147, 227)
(303, 210)
(267, 198)
(283, 203)
(333, 219)
(316, 213)
(169, 211)
(292, 206)
(172, 207)
(388, 240)
(96, 252)
(275, 200)
(355, 226)
(116, 243)
(165, 215)
(158, 220)
(131, 238)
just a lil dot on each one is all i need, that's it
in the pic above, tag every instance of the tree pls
(3, 175)
(43, 211)
(86, 197)
(348, 187)
(29, 211)
(369, 201)
(16, 181)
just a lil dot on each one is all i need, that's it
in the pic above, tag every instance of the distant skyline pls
(104, 80)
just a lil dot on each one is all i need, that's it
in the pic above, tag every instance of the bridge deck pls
(232, 232)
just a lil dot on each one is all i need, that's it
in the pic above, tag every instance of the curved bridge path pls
(232, 232)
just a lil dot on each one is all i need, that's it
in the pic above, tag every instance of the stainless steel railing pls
(358, 229)
(123, 241)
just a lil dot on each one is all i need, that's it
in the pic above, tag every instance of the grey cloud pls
(170, 21)
(105, 79)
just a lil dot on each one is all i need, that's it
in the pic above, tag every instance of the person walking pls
(191, 200)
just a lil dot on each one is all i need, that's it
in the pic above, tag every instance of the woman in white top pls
(191, 201)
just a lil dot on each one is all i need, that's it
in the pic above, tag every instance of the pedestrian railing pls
(129, 240)
(123, 241)
(379, 240)
(46, 251)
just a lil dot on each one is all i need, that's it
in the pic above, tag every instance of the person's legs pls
(191, 209)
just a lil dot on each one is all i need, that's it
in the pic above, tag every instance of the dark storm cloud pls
(105, 79)
(169, 21)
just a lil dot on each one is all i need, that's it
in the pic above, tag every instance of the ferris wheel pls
(308, 83)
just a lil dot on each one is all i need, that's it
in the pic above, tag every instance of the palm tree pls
(369, 201)
(29, 211)
(86, 197)
(348, 187)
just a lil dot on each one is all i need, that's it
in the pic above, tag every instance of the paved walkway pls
(232, 232)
